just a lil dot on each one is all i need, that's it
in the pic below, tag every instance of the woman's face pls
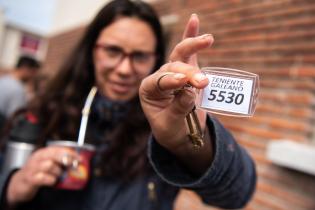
(123, 56)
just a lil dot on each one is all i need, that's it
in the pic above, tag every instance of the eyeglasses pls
(114, 55)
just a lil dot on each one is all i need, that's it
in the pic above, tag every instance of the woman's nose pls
(125, 66)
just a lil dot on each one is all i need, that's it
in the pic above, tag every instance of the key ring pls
(195, 133)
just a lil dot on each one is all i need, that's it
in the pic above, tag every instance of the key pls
(195, 132)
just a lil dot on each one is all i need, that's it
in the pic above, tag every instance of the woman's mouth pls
(121, 88)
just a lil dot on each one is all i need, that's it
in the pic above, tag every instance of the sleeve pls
(228, 183)
(4, 181)
(16, 101)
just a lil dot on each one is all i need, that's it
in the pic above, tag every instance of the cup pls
(75, 177)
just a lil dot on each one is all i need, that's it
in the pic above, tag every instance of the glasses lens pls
(142, 60)
(112, 55)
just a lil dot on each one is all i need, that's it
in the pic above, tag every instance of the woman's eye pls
(141, 57)
(112, 51)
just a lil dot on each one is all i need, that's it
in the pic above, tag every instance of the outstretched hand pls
(163, 100)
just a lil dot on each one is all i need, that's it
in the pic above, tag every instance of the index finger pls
(192, 27)
(190, 46)
(56, 153)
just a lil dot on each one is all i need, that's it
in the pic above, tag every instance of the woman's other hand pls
(43, 168)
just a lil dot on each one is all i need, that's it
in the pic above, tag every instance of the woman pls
(120, 49)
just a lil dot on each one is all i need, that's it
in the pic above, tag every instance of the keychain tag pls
(229, 92)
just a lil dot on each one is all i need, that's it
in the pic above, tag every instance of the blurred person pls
(37, 85)
(135, 110)
(13, 94)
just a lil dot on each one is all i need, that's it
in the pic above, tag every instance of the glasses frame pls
(125, 54)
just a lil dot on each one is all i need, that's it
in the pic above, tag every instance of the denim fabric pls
(101, 194)
(229, 182)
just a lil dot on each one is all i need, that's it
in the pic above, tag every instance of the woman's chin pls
(120, 95)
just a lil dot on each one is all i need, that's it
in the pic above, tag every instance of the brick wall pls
(59, 47)
(275, 39)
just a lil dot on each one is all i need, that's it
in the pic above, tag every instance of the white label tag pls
(231, 94)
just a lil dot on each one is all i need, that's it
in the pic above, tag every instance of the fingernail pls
(194, 15)
(199, 77)
(65, 160)
(179, 76)
(75, 163)
(205, 36)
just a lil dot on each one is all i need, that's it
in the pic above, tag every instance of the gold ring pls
(159, 80)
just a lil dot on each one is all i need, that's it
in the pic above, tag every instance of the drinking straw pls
(85, 115)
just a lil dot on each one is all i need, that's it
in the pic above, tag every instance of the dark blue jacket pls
(228, 183)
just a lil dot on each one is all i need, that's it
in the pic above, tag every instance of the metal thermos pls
(21, 143)
(16, 155)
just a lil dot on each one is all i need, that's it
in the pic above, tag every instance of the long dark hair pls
(59, 108)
